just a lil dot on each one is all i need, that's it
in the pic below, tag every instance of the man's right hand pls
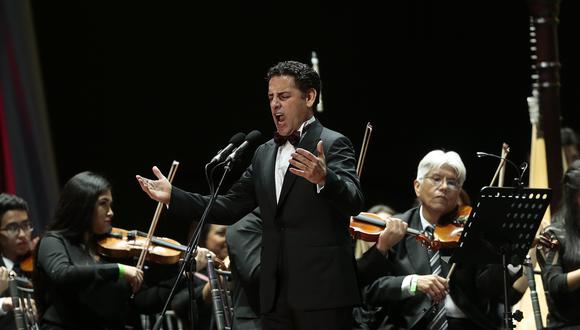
(3, 279)
(394, 231)
(434, 286)
(159, 190)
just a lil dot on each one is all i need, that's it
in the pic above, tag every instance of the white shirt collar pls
(424, 222)
(308, 122)
(8, 263)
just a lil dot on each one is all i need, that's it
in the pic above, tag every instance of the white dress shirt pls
(285, 152)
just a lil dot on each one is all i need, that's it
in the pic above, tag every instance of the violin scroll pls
(547, 239)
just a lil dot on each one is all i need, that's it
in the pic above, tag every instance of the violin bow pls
(505, 149)
(153, 226)
(364, 147)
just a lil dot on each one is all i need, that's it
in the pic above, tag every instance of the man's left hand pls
(308, 166)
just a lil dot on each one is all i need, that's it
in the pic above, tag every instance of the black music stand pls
(501, 229)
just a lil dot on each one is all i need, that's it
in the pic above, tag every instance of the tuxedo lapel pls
(308, 142)
(268, 170)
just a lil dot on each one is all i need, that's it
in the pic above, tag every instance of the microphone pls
(216, 295)
(235, 141)
(251, 139)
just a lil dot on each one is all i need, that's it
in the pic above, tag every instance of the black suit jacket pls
(476, 289)
(80, 293)
(407, 257)
(244, 239)
(305, 237)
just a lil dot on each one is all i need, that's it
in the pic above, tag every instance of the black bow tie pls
(293, 138)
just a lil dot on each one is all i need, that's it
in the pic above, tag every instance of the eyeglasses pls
(15, 227)
(438, 182)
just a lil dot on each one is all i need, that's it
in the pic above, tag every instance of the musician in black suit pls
(308, 277)
(75, 286)
(15, 244)
(409, 285)
(244, 239)
(561, 267)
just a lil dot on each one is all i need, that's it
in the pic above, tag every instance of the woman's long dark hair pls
(74, 212)
(567, 219)
(73, 218)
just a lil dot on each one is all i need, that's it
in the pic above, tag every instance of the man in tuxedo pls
(15, 244)
(305, 183)
(410, 280)
(244, 240)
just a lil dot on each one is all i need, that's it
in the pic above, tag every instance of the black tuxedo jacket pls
(476, 289)
(305, 237)
(244, 239)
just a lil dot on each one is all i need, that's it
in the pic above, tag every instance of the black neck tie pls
(293, 138)
(16, 268)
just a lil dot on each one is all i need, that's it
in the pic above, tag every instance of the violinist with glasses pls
(409, 280)
(16, 244)
(75, 287)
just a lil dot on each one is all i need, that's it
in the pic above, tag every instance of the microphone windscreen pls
(253, 136)
(237, 139)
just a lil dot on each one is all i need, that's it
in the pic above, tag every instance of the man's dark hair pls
(304, 75)
(9, 202)
(568, 136)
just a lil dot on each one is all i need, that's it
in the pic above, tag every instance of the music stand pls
(502, 227)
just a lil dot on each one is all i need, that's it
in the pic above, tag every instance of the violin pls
(547, 240)
(448, 235)
(121, 243)
(368, 226)
(27, 264)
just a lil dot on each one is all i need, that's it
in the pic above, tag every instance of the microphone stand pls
(192, 251)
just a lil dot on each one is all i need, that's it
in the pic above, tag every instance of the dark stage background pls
(131, 85)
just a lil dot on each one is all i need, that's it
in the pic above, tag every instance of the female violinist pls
(561, 267)
(75, 288)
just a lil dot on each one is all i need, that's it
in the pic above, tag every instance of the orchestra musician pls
(74, 286)
(244, 240)
(570, 146)
(308, 276)
(561, 267)
(212, 241)
(15, 245)
(410, 281)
